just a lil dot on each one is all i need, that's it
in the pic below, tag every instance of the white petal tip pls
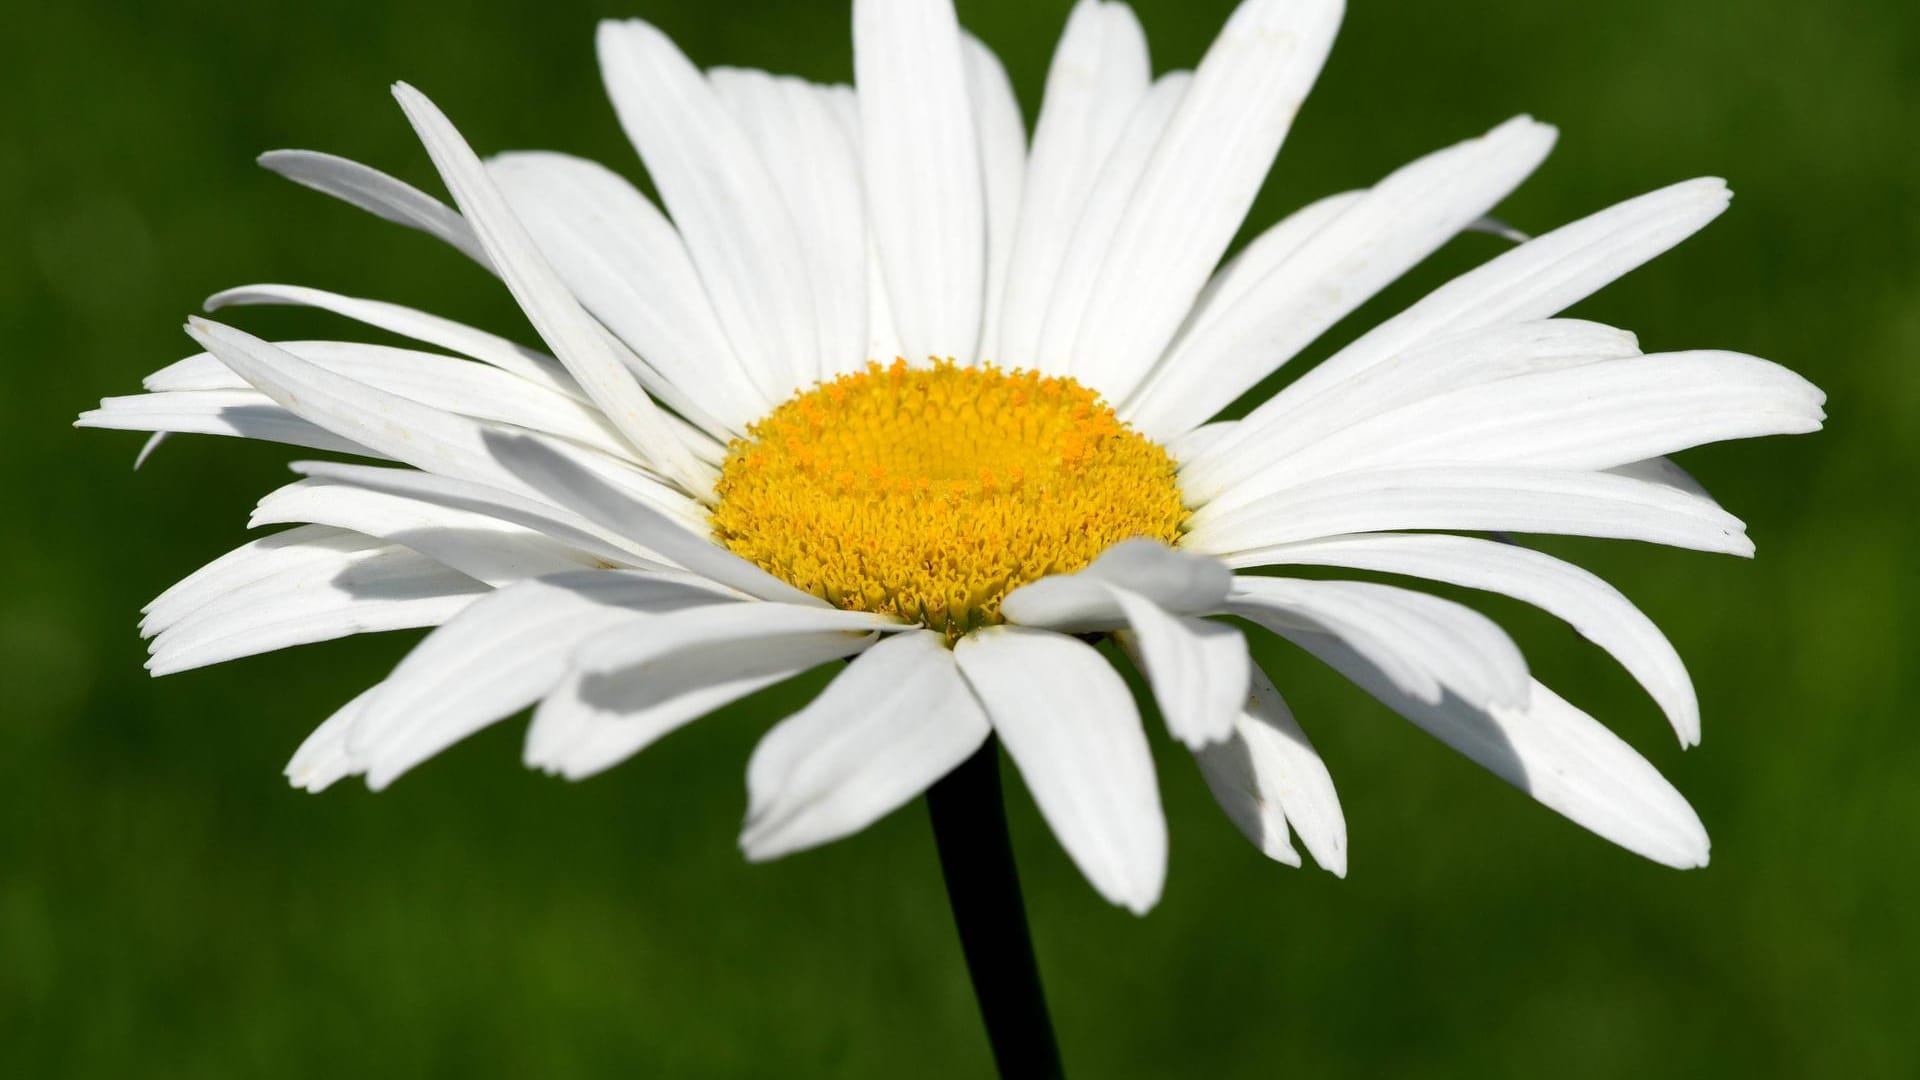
(760, 848)
(1282, 852)
(1201, 740)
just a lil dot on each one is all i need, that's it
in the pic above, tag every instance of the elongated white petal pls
(382, 588)
(378, 194)
(1554, 752)
(1533, 281)
(529, 364)
(1179, 582)
(564, 526)
(251, 562)
(420, 435)
(1230, 284)
(476, 544)
(719, 624)
(498, 657)
(1382, 235)
(246, 414)
(1479, 498)
(722, 199)
(898, 719)
(1268, 775)
(593, 722)
(883, 338)
(628, 266)
(568, 484)
(1427, 646)
(1100, 215)
(443, 382)
(816, 169)
(1452, 362)
(1071, 727)
(1198, 185)
(1591, 606)
(1003, 169)
(322, 759)
(1098, 76)
(920, 158)
(1593, 416)
(572, 334)
(1229, 772)
(1664, 472)
(1198, 669)
(1198, 441)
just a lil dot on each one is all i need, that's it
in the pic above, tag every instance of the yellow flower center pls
(932, 492)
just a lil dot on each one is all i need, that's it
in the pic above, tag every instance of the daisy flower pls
(885, 380)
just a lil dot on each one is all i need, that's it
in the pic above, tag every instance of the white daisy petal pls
(378, 194)
(628, 266)
(1268, 775)
(1196, 442)
(498, 657)
(246, 414)
(1228, 769)
(722, 199)
(564, 526)
(1003, 168)
(1380, 236)
(573, 335)
(565, 482)
(476, 544)
(1198, 185)
(1478, 498)
(1198, 669)
(251, 562)
(1591, 606)
(883, 338)
(883, 731)
(420, 435)
(1102, 207)
(815, 167)
(594, 722)
(649, 642)
(1664, 472)
(1427, 646)
(1214, 474)
(1177, 581)
(921, 163)
(1098, 76)
(1070, 725)
(530, 364)
(1533, 281)
(1229, 285)
(380, 588)
(1593, 416)
(322, 759)
(442, 382)
(1554, 752)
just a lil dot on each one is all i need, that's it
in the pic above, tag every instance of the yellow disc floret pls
(932, 492)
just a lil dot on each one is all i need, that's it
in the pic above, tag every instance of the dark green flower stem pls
(976, 858)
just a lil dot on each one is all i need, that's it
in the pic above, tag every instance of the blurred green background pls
(169, 907)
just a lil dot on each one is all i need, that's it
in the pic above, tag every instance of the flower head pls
(890, 382)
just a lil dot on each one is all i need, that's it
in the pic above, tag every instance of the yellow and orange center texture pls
(931, 492)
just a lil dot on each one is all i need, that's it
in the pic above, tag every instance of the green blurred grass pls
(169, 908)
